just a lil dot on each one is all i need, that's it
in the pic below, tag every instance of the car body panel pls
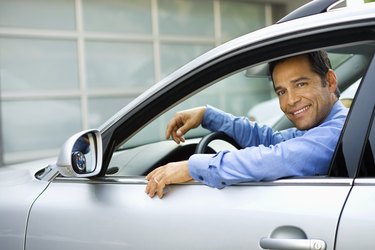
(18, 190)
(358, 219)
(119, 215)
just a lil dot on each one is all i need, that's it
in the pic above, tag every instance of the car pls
(92, 195)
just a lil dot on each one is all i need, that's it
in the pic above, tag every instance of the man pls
(307, 90)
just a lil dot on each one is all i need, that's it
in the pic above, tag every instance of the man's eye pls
(301, 84)
(280, 93)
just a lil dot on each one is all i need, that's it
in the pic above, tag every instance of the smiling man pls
(307, 90)
(306, 87)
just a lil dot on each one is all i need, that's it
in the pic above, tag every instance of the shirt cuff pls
(211, 117)
(201, 170)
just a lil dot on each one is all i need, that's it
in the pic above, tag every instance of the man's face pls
(301, 94)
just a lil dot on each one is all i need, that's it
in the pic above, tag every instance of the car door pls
(117, 214)
(358, 219)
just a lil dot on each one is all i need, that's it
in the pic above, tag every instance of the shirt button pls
(201, 178)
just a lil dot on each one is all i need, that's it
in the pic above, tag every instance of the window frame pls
(351, 146)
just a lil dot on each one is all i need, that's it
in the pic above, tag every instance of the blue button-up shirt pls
(266, 155)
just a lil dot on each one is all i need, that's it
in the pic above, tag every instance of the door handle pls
(292, 244)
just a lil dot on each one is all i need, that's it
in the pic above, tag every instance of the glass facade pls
(68, 65)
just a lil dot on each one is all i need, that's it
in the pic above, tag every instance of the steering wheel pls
(203, 144)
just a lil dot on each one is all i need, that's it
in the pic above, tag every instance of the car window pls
(234, 94)
(237, 94)
(368, 160)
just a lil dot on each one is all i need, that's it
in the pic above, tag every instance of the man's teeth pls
(300, 111)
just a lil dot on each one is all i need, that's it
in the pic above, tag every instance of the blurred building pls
(68, 65)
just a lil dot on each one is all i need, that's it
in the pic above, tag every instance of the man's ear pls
(332, 81)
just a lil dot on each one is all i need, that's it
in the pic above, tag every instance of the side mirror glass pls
(81, 155)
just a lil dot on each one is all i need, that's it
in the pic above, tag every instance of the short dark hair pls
(319, 63)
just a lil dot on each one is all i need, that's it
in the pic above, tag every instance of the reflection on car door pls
(117, 214)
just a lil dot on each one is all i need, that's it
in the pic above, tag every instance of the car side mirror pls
(81, 155)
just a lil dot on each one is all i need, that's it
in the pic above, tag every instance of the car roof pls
(311, 8)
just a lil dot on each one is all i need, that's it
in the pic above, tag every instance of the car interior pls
(234, 94)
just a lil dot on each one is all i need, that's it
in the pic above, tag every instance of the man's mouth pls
(300, 111)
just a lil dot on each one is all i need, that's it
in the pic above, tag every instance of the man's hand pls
(183, 121)
(158, 179)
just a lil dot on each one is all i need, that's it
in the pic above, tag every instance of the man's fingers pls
(153, 181)
(176, 122)
(181, 130)
(157, 182)
(160, 178)
(151, 188)
(175, 137)
(178, 133)
(152, 173)
(169, 131)
(176, 128)
(160, 188)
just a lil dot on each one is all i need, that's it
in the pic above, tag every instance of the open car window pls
(248, 93)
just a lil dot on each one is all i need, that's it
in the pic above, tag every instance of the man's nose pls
(293, 98)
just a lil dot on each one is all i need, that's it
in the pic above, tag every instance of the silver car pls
(92, 196)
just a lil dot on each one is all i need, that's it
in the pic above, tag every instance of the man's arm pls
(307, 155)
(299, 153)
(245, 132)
